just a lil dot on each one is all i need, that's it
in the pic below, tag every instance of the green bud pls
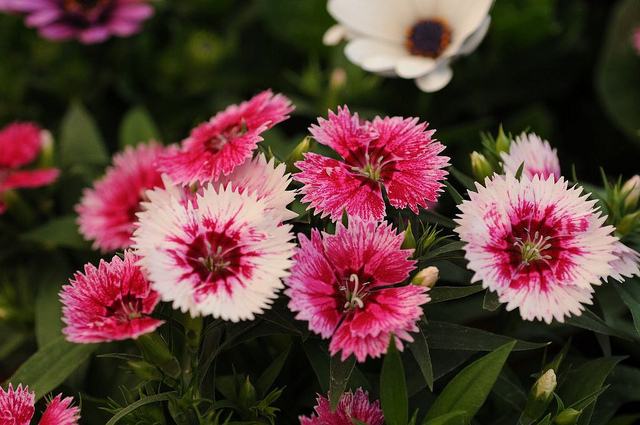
(544, 386)
(480, 166)
(298, 154)
(631, 192)
(145, 370)
(568, 417)
(338, 79)
(247, 396)
(628, 223)
(46, 154)
(156, 352)
(409, 240)
(503, 143)
(426, 277)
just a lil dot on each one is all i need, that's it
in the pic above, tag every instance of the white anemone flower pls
(415, 39)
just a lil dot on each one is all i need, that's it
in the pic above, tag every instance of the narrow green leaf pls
(393, 388)
(339, 374)
(469, 389)
(545, 421)
(519, 171)
(142, 402)
(465, 180)
(590, 321)
(457, 198)
(51, 365)
(441, 294)
(420, 350)
(318, 360)
(491, 301)
(268, 377)
(444, 249)
(449, 336)
(48, 325)
(451, 418)
(137, 126)
(632, 302)
(80, 140)
(61, 232)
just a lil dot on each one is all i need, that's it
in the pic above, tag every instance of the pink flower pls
(351, 406)
(626, 262)
(536, 154)
(89, 22)
(222, 254)
(342, 285)
(396, 154)
(109, 303)
(20, 144)
(17, 408)
(107, 212)
(539, 244)
(636, 39)
(219, 145)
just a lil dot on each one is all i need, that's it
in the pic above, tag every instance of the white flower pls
(536, 154)
(536, 242)
(220, 254)
(626, 263)
(415, 39)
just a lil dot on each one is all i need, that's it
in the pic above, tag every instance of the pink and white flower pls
(92, 21)
(536, 154)
(109, 303)
(351, 406)
(626, 263)
(215, 148)
(536, 242)
(20, 144)
(107, 211)
(396, 154)
(223, 254)
(268, 181)
(17, 408)
(343, 285)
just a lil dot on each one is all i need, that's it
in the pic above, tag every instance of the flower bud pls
(409, 240)
(480, 166)
(156, 352)
(338, 79)
(503, 143)
(568, 417)
(628, 223)
(426, 277)
(631, 191)
(145, 370)
(545, 385)
(297, 154)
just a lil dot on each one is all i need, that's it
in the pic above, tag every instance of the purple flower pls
(89, 21)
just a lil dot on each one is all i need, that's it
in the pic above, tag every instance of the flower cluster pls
(17, 407)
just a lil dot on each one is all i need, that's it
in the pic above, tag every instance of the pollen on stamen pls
(429, 37)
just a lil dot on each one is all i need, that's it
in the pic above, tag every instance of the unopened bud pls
(503, 143)
(247, 395)
(545, 385)
(568, 417)
(46, 154)
(297, 154)
(631, 190)
(145, 370)
(338, 79)
(334, 35)
(409, 240)
(480, 166)
(628, 223)
(427, 277)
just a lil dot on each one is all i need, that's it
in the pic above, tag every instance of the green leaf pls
(451, 418)
(491, 301)
(449, 336)
(444, 249)
(317, 358)
(393, 388)
(268, 377)
(48, 325)
(51, 365)
(630, 300)
(469, 389)
(137, 126)
(590, 321)
(60, 232)
(142, 402)
(339, 374)
(80, 140)
(465, 180)
(584, 380)
(441, 294)
(457, 198)
(545, 421)
(420, 350)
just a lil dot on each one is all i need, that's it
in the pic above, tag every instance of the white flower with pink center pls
(222, 254)
(536, 242)
(537, 155)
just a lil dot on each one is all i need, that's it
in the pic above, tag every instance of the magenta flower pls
(537, 243)
(89, 21)
(108, 303)
(218, 146)
(20, 144)
(396, 154)
(107, 212)
(342, 285)
(538, 157)
(17, 408)
(351, 406)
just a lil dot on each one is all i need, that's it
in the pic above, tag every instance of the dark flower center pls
(126, 308)
(373, 164)
(80, 6)
(217, 142)
(213, 256)
(429, 38)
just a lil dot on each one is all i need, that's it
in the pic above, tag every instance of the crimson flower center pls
(213, 255)
(375, 165)
(354, 290)
(125, 308)
(219, 140)
(83, 5)
(428, 38)
(533, 245)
